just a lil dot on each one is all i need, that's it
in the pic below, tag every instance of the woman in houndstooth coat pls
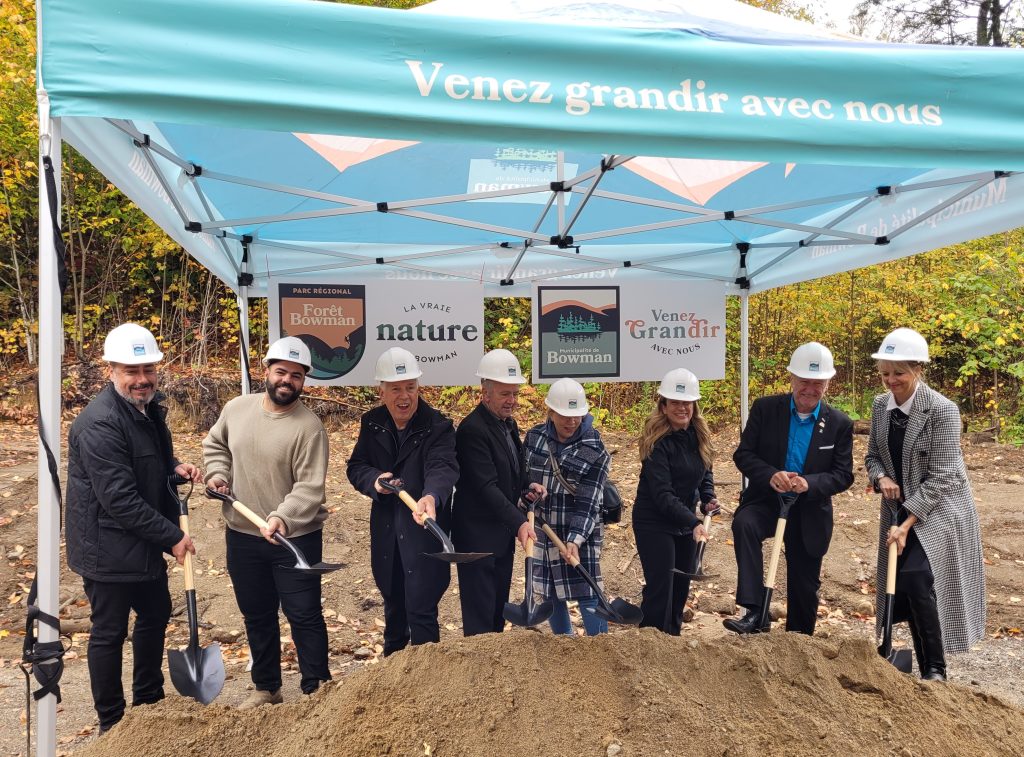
(914, 460)
(575, 482)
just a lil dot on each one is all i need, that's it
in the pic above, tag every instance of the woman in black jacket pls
(676, 456)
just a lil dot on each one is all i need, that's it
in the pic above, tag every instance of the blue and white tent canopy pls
(516, 141)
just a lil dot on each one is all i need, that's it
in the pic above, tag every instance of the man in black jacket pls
(492, 477)
(794, 445)
(408, 439)
(121, 519)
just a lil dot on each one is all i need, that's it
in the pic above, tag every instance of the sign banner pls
(348, 326)
(633, 331)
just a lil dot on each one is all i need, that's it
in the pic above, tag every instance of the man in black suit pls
(794, 445)
(485, 517)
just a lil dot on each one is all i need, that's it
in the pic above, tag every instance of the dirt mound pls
(524, 693)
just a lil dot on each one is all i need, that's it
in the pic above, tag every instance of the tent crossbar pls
(651, 202)
(622, 231)
(451, 221)
(375, 260)
(967, 191)
(312, 250)
(145, 142)
(178, 207)
(280, 188)
(685, 274)
(607, 164)
(358, 264)
(221, 240)
(469, 197)
(811, 239)
(686, 255)
(830, 200)
(900, 188)
(302, 215)
(822, 230)
(540, 219)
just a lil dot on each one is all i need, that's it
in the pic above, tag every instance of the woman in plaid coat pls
(575, 484)
(914, 460)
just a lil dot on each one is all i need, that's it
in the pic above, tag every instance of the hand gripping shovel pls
(301, 563)
(195, 672)
(785, 503)
(698, 573)
(447, 553)
(617, 610)
(529, 613)
(901, 658)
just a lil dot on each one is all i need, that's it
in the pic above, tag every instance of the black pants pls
(665, 592)
(111, 603)
(483, 591)
(261, 588)
(750, 527)
(916, 603)
(408, 615)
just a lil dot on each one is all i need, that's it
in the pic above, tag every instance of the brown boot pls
(260, 697)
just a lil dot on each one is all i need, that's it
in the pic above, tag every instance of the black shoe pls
(934, 673)
(747, 624)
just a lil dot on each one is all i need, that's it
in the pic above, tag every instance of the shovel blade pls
(197, 672)
(458, 557)
(902, 659)
(700, 576)
(521, 615)
(619, 611)
(319, 567)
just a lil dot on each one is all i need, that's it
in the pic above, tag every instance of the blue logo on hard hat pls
(889, 349)
(138, 349)
(293, 353)
(572, 404)
(681, 388)
(511, 371)
(400, 368)
(813, 367)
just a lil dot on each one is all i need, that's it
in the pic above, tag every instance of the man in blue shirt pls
(794, 445)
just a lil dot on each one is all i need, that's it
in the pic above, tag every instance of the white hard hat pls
(812, 361)
(566, 397)
(396, 364)
(680, 384)
(903, 345)
(502, 366)
(131, 344)
(289, 348)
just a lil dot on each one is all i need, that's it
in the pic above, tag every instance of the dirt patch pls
(354, 612)
(641, 690)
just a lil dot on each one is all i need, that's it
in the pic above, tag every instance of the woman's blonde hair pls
(657, 426)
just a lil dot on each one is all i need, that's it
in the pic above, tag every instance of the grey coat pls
(937, 491)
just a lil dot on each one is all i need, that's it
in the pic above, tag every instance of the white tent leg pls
(744, 355)
(243, 336)
(51, 338)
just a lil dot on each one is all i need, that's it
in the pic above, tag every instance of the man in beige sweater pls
(270, 451)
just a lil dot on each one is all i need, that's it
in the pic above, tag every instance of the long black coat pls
(828, 468)
(426, 464)
(120, 516)
(484, 515)
(668, 479)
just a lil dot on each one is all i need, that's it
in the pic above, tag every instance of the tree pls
(985, 23)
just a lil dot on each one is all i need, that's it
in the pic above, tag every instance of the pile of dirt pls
(637, 692)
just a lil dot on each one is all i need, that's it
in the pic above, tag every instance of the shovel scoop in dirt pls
(698, 573)
(447, 553)
(196, 672)
(529, 613)
(301, 563)
(617, 610)
(901, 658)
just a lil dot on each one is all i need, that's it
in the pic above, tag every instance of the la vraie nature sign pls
(347, 326)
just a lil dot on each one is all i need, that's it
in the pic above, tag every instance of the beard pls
(282, 394)
(138, 402)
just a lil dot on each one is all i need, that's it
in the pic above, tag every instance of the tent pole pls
(244, 279)
(51, 338)
(744, 355)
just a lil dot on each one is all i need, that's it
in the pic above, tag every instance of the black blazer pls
(828, 468)
(484, 513)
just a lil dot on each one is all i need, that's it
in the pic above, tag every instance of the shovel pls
(699, 574)
(901, 658)
(195, 672)
(617, 610)
(447, 553)
(529, 613)
(301, 563)
(769, 582)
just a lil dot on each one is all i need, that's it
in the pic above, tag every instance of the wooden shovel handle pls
(773, 566)
(707, 526)
(249, 515)
(558, 543)
(890, 572)
(190, 578)
(407, 499)
(529, 539)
